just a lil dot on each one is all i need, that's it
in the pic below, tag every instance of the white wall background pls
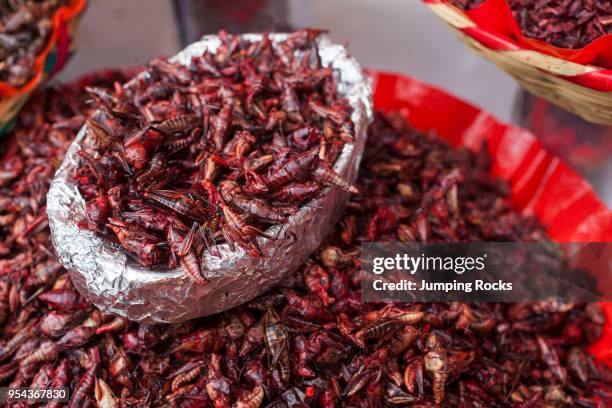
(123, 33)
(404, 36)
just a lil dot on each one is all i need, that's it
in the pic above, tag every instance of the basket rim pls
(61, 16)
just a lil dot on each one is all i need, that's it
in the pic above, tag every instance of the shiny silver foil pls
(117, 284)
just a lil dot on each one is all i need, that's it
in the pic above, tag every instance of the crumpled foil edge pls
(116, 284)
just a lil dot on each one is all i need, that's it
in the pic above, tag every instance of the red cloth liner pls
(496, 16)
(541, 184)
(63, 48)
(497, 29)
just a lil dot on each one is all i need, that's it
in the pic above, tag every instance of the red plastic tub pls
(541, 184)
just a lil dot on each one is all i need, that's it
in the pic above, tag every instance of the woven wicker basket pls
(60, 45)
(557, 80)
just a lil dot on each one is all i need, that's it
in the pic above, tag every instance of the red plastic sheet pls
(495, 28)
(496, 17)
(541, 184)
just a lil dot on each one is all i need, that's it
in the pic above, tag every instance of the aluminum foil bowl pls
(115, 283)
